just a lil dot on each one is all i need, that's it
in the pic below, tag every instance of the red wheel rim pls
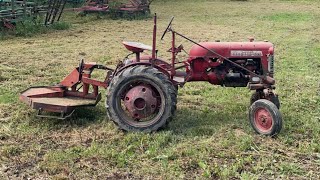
(263, 120)
(140, 102)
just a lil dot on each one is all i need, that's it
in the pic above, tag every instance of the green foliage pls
(28, 27)
(289, 17)
(31, 26)
(60, 25)
(8, 151)
(6, 97)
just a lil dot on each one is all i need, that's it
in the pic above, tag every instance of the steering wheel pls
(165, 32)
(80, 68)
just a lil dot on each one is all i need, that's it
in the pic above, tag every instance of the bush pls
(61, 25)
(30, 26)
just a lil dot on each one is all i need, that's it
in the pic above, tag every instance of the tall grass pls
(31, 26)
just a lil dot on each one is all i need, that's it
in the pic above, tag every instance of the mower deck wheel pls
(265, 117)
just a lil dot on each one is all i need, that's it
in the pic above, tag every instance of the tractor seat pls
(136, 47)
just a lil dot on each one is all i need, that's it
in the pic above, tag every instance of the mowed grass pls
(210, 136)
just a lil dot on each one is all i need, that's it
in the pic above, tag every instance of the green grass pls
(210, 136)
(290, 17)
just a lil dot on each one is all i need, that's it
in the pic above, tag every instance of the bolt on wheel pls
(140, 103)
(263, 120)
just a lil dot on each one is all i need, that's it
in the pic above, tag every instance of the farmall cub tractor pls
(142, 91)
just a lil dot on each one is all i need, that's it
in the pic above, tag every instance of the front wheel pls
(141, 98)
(265, 117)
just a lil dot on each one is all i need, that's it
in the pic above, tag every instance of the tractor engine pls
(207, 66)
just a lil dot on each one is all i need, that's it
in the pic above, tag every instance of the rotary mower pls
(142, 90)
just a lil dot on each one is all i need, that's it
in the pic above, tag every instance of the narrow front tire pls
(265, 117)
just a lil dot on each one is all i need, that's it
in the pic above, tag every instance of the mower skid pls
(55, 99)
(62, 116)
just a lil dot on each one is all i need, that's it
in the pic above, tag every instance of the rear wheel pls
(141, 98)
(265, 117)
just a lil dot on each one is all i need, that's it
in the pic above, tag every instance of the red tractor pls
(142, 91)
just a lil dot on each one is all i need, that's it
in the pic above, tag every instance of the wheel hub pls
(140, 101)
(263, 120)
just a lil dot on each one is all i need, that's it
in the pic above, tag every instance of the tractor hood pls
(232, 49)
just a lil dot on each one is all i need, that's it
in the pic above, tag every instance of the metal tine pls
(50, 2)
(64, 4)
(55, 10)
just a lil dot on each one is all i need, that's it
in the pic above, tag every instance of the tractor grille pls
(271, 65)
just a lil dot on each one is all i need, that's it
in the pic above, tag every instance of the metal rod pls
(12, 7)
(173, 52)
(24, 8)
(154, 38)
(48, 12)
(54, 2)
(56, 9)
(179, 67)
(64, 4)
(138, 57)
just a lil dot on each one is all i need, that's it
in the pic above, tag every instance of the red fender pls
(146, 60)
(161, 69)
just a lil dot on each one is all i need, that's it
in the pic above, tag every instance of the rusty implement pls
(66, 96)
(105, 6)
(135, 6)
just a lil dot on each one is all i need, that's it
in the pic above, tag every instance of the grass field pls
(210, 136)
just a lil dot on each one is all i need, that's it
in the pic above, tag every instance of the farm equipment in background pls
(107, 6)
(54, 11)
(142, 90)
(94, 6)
(14, 11)
(135, 6)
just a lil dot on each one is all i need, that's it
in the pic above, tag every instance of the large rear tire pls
(265, 117)
(141, 98)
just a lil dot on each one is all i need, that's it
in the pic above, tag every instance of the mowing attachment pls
(64, 97)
